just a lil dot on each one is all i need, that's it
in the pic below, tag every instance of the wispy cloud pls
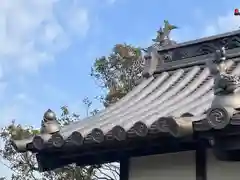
(207, 27)
(31, 33)
(222, 24)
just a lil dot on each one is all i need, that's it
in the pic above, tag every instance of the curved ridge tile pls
(160, 99)
(146, 113)
(140, 129)
(193, 105)
(145, 91)
(162, 89)
(204, 92)
(97, 135)
(159, 80)
(57, 140)
(205, 88)
(201, 109)
(175, 99)
(199, 91)
(93, 119)
(157, 96)
(157, 99)
(39, 141)
(107, 125)
(175, 104)
(132, 93)
(161, 124)
(75, 138)
(120, 103)
(118, 133)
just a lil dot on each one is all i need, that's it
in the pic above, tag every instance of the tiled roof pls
(167, 103)
(172, 100)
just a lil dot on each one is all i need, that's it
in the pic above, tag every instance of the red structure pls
(236, 12)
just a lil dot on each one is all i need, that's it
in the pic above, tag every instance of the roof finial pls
(224, 82)
(163, 38)
(226, 90)
(152, 57)
(49, 123)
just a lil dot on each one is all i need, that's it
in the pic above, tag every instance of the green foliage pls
(24, 165)
(119, 72)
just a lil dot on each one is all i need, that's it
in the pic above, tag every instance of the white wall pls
(175, 166)
(220, 170)
(181, 166)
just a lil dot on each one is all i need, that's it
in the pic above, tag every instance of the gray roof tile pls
(170, 102)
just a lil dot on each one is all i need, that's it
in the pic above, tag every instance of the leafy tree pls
(119, 72)
(24, 165)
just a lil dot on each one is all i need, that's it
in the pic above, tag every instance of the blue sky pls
(48, 46)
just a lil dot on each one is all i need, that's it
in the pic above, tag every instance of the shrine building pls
(181, 122)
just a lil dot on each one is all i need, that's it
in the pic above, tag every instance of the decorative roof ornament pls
(50, 124)
(152, 59)
(152, 56)
(224, 83)
(226, 92)
(163, 34)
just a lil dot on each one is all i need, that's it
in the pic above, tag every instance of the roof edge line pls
(194, 61)
(201, 40)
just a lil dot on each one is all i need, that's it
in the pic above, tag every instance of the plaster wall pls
(180, 166)
(174, 166)
(222, 170)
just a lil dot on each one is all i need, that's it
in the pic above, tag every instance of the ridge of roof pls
(196, 61)
(202, 40)
(189, 53)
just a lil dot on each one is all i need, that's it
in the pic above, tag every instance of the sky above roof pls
(48, 46)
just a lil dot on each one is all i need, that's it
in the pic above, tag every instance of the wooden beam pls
(124, 168)
(201, 161)
(49, 161)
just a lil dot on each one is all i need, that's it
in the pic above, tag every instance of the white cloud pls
(31, 34)
(76, 19)
(218, 25)
(222, 24)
